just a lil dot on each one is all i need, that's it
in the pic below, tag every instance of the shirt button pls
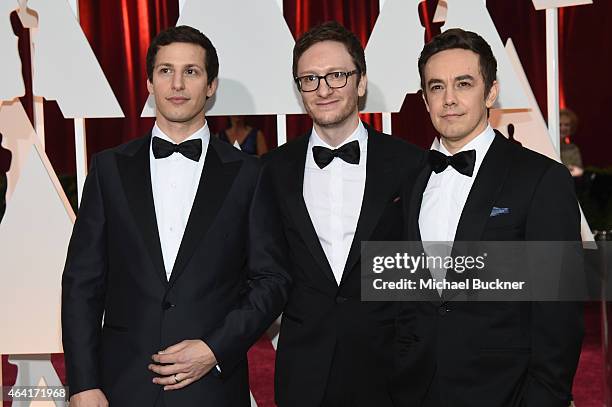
(444, 309)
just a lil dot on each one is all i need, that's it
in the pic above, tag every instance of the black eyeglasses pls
(335, 80)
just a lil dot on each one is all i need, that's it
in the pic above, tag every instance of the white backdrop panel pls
(34, 236)
(65, 67)
(392, 53)
(12, 82)
(543, 4)
(18, 136)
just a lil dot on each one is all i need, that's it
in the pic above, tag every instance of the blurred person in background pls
(570, 153)
(250, 139)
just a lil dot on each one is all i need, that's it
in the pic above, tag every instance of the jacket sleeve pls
(83, 288)
(268, 280)
(557, 327)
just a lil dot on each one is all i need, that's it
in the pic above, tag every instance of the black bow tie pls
(348, 152)
(463, 162)
(191, 149)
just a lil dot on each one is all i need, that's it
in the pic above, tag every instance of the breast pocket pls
(504, 226)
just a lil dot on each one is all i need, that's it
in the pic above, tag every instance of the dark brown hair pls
(330, 31)
(458, 38)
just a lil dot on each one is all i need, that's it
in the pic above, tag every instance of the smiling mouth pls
(327, 103)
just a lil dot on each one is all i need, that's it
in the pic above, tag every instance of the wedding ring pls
(176, 380)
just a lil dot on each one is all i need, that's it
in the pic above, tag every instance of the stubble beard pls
(327, 121)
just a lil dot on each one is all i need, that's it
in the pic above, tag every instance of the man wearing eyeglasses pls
(336, 186)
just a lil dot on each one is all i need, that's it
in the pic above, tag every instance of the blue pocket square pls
(499, 211)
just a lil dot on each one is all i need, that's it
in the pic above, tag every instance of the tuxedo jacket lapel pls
(413, 232)
(375, 197)
(489, 181)
(294, 184)
(416, 199)
(215, 182)
(134, 169)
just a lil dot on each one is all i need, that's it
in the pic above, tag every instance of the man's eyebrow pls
(327, 71)
(168, 64)
(434, 80)
(464, 77)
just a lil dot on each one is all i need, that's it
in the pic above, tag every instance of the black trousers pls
(354, 382)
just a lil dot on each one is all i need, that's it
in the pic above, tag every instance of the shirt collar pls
(202, 133)
(360, 134)
(480, 143)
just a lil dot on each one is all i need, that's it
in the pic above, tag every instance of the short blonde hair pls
(573, 119)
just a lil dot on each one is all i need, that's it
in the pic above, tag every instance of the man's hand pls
(89, 398)
(184, 363)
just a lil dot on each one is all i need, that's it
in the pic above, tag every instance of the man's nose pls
(449, 96)
(324, 89)
(178, 82)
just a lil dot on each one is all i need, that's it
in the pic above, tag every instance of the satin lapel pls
(413, 229)
(416, 199)
(135, 173)
(294, 184)
(486, 187)
(215, 182)
(375, 197)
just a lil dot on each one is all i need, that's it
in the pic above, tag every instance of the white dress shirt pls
(333, 197)
(444, 199)
(447, 192)
(175, 180)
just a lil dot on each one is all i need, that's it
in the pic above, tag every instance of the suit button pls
(443, 309)
(166, 305)
(340, 299)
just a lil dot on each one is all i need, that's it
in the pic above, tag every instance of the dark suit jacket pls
(498, 353)
(229, 281)
(326, 327)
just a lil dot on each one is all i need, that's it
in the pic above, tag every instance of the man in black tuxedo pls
(336, 186)
(177, 247)
(475, 353)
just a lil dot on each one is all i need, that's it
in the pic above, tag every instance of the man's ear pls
(211, 88)
(492, 96)
(424, 96)
(362, 86)
(150, 87)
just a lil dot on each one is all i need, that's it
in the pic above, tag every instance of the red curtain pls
(586, 59)
(121, 52)
(120, 31)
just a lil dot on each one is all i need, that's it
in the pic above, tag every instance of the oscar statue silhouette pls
(5, 164)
